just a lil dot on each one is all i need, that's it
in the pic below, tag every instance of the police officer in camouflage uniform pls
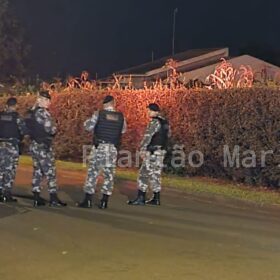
(42, 131)
(12, 131)
(107, 126)
(152, 151)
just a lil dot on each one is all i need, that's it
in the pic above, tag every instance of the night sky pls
(68, 36)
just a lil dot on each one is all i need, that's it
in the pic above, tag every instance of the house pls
(262, 70)
(193, 65)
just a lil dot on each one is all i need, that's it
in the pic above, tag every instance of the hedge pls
(201, 120)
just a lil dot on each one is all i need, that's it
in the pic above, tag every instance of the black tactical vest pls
(108, 128)
(37, 131)
(8, 126)
(160, 139)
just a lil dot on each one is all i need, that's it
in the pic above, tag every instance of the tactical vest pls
(108, 128)
(160, 139)
(8, 126)
(37, 131)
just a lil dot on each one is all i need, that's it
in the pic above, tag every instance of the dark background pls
(68, 36)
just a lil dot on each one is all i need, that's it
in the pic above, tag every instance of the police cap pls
(12, 101)
(108, 99)
(45, 94)
(154, 107)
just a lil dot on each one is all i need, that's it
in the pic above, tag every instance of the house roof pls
(144, 68)
(257, 66)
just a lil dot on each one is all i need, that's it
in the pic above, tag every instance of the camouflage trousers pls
(150, 172)
(103, 158)
(9, 156)
(43, 167)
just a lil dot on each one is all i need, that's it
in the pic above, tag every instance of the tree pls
(13, 50)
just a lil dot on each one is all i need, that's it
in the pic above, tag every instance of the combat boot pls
(87, 202)
(155, 199)
(8, 197)
(55, 201)
(104, 202)
(38, 200)
(140, 199)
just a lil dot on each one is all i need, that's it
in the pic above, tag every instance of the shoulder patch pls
(6, 118)
(112, 117)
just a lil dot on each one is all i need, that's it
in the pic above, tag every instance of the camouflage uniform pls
(104, 157)
(43, 155)
(9, 156)
(151, 168)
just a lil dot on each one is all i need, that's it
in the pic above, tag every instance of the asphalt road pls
(187, 237)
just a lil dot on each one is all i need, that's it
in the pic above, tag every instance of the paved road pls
(186, 238)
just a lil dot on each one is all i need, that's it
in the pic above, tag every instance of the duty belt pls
(153, 149)
(14, 142)
(98, 142)
(5, 144)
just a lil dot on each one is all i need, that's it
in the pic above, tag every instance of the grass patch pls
(225, 189)
(190, 185)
